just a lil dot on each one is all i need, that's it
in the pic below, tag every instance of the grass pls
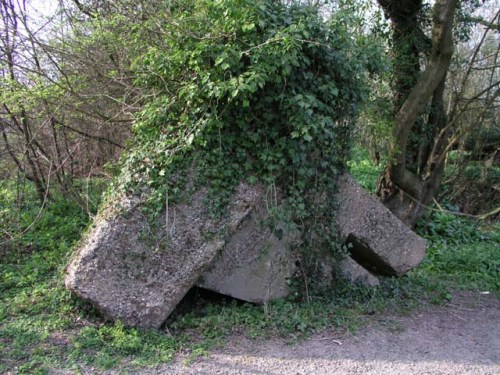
(43, 327)
(462, 253)
(364, 169)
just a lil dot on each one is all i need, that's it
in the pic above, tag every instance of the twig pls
(339, 343)
(459, 317)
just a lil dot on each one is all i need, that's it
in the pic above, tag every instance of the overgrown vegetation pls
(255, 92)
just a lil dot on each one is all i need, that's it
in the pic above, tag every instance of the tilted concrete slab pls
(379, 241)
(256, 264)
(137, 273)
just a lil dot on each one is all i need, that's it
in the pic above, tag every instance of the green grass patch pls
(43, 327)
(462, 253)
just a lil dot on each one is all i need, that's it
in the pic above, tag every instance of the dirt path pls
(461, 338)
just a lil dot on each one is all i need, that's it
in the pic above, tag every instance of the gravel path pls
(460, 338)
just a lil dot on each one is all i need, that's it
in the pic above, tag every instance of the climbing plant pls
(254, 91)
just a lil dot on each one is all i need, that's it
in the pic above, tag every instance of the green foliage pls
(443, 228)
(283, 318)
(472, 266)
(27, 226)
(33, 303)
(472, 184)
(364, 170)
(461, 253)
(107, 345)
(254, 91)
(464, 25)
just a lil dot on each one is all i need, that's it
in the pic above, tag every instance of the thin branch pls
(87, 135)
(492, 25)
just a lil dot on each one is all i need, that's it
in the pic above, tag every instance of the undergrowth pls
(364, 170)
(43, 327)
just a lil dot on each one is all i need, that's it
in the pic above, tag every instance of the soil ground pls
(462, 337)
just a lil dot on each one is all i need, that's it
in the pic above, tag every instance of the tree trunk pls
(406, 187)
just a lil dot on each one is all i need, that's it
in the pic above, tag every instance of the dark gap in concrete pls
(366, 258)
(196, 300)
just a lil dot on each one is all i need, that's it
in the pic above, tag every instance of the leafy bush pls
(449, 229)
(255, 91)
(31, 227)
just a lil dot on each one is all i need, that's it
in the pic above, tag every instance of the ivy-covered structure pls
(248, 119)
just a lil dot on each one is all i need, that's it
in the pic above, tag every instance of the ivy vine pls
(250, 91)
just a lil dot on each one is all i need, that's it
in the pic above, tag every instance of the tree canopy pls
(265, 90)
